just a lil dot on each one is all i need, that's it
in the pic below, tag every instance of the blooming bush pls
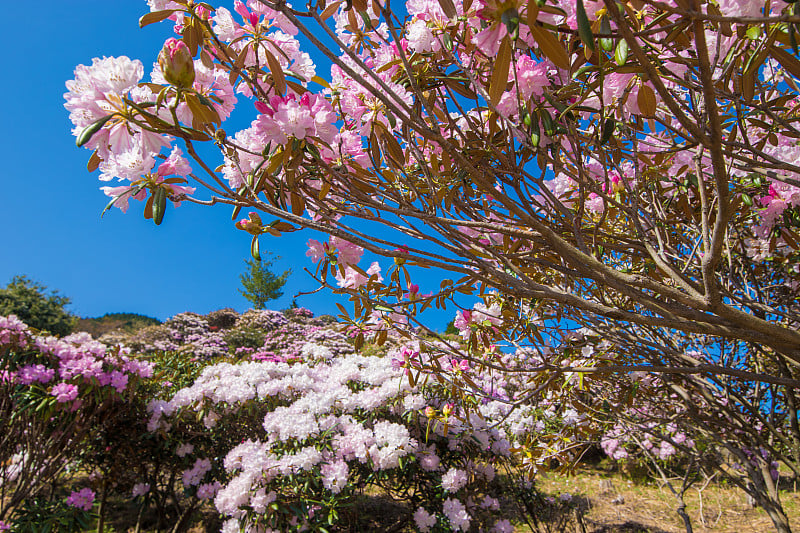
(315, 431)
(52, 394)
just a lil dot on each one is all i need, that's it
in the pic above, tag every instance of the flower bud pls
(176, 63)
(251, 225)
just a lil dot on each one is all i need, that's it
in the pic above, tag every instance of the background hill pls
(126, 322)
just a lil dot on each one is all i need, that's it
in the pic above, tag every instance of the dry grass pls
(615, 504)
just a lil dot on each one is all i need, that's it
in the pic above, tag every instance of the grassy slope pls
(614, 503)
(128, 322)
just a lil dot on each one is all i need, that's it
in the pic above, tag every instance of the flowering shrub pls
(263, 319)
(52, 392)
(314, 431)
(39, 514)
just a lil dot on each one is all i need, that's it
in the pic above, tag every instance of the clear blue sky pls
(51, 205)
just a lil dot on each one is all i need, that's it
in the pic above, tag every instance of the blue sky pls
(51, 204)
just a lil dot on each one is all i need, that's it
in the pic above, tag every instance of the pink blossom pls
(462, 322)
(741, 8)
(194, 475)
(34, 373)
(454, 480)
(97, 92)
(348, 253)
(413, 290)
(335, 476)
(316, 250)
(175, 164)
(421, 38)
(354, 279)
(430, 462)
(184, 449)
(207, 491)
(531, 76)
(82, 499)
(119, 380)
(457, 514)
(424, 520)
(488, 40)
(123, 194)
(64, 392)
(140, 489)
(503, 526)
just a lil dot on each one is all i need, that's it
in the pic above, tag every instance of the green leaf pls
(606, 43)
(366, 19)
(159, 205)
(621, 52)
(254, 248)
(584, 27)
(510, 17)
(753, 32)
(547, 123)
(89, 131)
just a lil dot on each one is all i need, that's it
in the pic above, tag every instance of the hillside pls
(127, 322)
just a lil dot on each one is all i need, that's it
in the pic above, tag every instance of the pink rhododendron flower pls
(741, 8)
(420, 37)
(316, 250)
(194, 475)
(354, 279)
(335, 476)
(454, 480)
(82, 499)
(207, 491)
(65, 392)
(34, 373)
(177, 65)
(456, 513)
(424, 520)
(348, 253)
(184, 449)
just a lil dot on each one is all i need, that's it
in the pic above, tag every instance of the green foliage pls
(244, 337)
(29, 301)
(261, 284)
(39, 515)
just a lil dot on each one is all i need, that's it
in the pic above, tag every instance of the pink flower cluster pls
(81, 499)
(78, 362)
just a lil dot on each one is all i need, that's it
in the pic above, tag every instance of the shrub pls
(53, 393)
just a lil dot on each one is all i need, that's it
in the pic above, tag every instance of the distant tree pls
(260, 284)
(29, 300)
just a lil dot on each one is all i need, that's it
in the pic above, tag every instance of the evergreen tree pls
(28, 300)
(260, 284)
